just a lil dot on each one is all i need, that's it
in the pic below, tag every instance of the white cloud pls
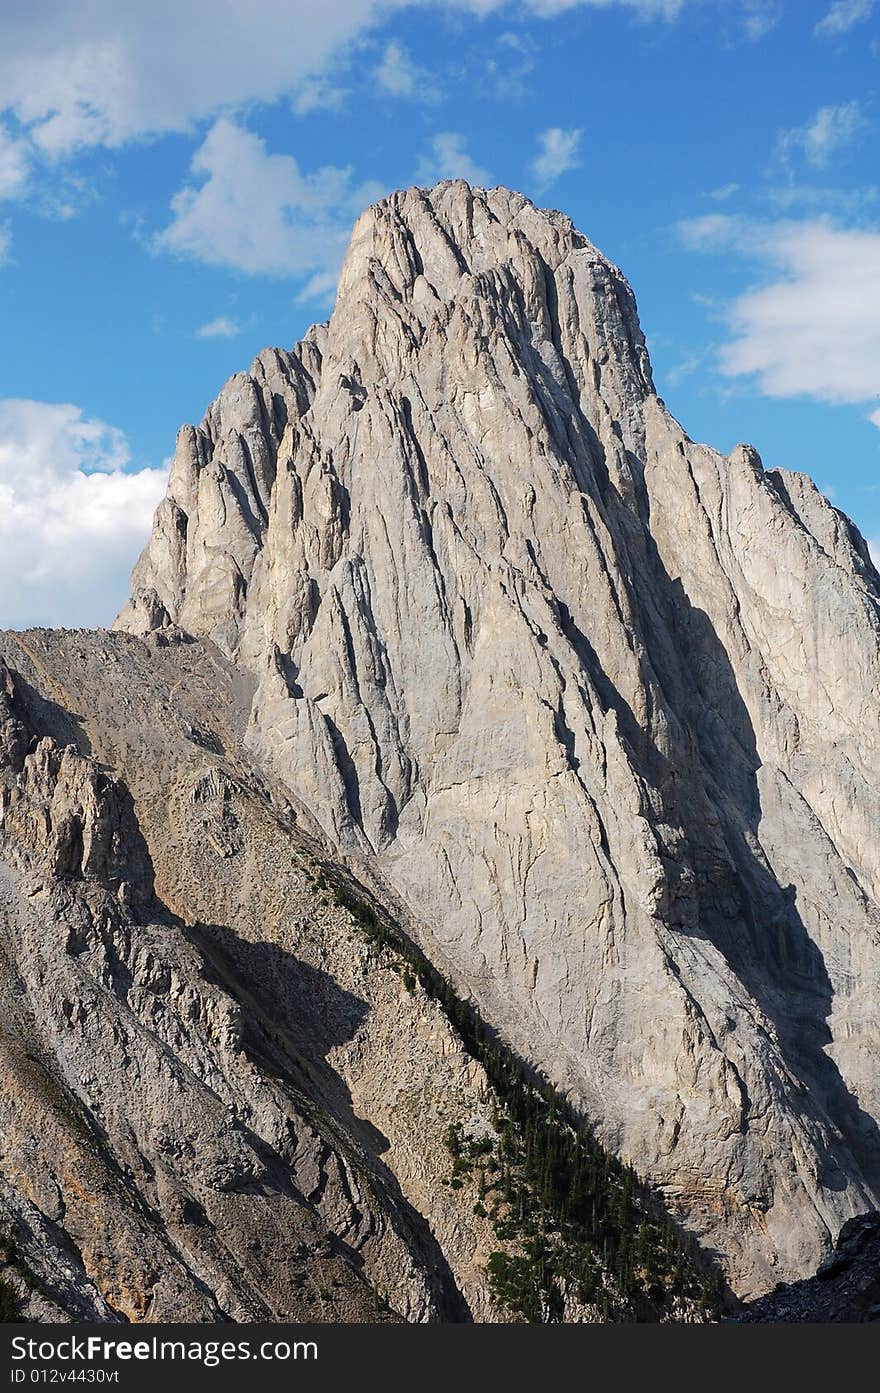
(645, 9)
(715, 231)
(72, 519)
(832, 128)
(399, 75)
(843, 15)
(318, 94)
(257, 212)
(761, 16)
(14, 165)
(5, 242)
(723, 192)
(104, 73)
(874, 418)
(813, 327)
(679, 372)
(448, 159)
(219, 328)
(557, 154)
(824, 198)
(319, 288)
(511, 63)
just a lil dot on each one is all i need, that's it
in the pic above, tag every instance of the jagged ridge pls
(591, 708)
(195, 1076)
(596, 703)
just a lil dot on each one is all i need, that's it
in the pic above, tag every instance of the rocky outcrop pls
(845, 1288)
(221, 1097)
(61, 814)
(192, 1084)
(593, 705)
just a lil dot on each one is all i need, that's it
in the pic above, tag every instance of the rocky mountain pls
(845, 1288)
(231, 1090)
(192, 1037)
(444, 610)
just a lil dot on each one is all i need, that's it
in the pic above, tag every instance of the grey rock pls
(846, 1287)
(595, 706)
(196, 1047)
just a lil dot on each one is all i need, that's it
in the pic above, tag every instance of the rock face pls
(596, 706)
(224, 1093)
(845, 1288)
(216, 1101)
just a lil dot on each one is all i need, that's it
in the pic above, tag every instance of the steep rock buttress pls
(597, 705)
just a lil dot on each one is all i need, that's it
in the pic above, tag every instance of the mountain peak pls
(450, 285)
(595, 703)
(455, 242)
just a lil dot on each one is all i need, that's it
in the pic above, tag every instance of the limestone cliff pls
(594, 706)
(185, 1026)
(229, 1088)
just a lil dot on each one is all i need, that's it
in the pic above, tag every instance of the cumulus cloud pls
(843, 15)
(399, 75)
(258, 212)
(5, 242)
(831, 130)
(104, 73)
(447, 158)
(813, 327)
(557, 153)
(72, 517)
(219, 328)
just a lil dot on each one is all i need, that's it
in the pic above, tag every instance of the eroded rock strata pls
(231, 1090)
(590, 708)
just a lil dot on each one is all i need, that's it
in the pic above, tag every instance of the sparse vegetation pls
(576, 1222)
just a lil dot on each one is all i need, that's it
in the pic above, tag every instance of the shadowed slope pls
(595, 703)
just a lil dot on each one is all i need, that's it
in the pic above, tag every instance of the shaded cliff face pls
(595, 706)
(228, 1091)
(217, 1100)
(845, 1288)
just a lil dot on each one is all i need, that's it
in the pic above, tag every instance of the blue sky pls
(177, 181)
